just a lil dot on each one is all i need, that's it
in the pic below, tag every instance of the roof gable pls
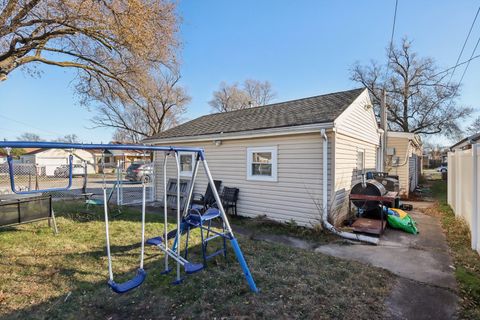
(313, 110)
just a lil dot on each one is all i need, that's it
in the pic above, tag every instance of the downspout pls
(327, 225)
(405, 161)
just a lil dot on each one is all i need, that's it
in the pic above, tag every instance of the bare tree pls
(229, 98)
(154, 102)
(252, 93)
(28, 136)
(420, 98)
(474, 127)
(105, 40)
(69, 138)
(260, 93)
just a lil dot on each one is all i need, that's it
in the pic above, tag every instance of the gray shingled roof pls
(319, 109)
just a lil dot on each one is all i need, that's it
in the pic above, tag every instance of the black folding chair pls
(203, 202)
(229, 199)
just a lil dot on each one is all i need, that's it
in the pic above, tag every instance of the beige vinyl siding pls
(401, 146)
(404, 149)
(346, 174)
(290, 198)
(356, 130)
(359, 120)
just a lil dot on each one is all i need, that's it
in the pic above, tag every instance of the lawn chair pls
(203, 202)
(229, 199)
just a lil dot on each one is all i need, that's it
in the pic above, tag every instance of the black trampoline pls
(18, 209)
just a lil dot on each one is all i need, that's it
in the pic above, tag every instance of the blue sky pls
(303, 48)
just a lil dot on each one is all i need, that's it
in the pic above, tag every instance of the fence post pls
(119, 202)
(475, 213)
(458, 185)
(85, 174)
(153, 187)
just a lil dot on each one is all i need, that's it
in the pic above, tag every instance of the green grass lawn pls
(467, 261)
(64, 277)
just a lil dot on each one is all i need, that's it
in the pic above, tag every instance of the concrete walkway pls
(426, 286)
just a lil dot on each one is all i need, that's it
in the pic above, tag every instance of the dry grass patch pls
(64, 277)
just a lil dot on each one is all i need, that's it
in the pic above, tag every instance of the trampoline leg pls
(243, 264)
(55, 229)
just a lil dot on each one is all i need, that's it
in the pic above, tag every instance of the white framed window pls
(186, 160)
(262, 163)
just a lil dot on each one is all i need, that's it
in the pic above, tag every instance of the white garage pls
(49, 159)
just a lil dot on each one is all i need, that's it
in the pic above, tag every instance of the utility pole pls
(384, 126)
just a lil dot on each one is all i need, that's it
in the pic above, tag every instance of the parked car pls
(442, 168)
(140, 172)
(63, 171)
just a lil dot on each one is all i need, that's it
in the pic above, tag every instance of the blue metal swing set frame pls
(187, 220)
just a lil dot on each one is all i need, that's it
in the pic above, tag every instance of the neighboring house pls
(404, 159)
(464, 184)
(466, 143)
(127, 157)
(113, 158)
(434, 157)
(275, 154)
(3, 156)
(49, 159)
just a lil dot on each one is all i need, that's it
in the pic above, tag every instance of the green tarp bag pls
(406, 224)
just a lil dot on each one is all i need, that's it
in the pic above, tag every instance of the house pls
(404, 159)
(113, 158)
(434, 157)
(49, 159)
(3, 156)
(466, 143)
(288, 159)
(464, 184)
(127, 157)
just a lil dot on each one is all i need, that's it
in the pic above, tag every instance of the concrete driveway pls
(426, 287)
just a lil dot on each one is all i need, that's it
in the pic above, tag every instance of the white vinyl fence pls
(464, 188)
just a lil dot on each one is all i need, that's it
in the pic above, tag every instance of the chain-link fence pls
(130, 183)
(124, 184)
(30, 177)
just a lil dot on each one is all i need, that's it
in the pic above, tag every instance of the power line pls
(31, 126)
(457, 65)
(464, 44)
(393, 26)
(390, 48)
(468, 63)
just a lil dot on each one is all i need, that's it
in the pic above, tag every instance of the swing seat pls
(193, 267)
(130, 284)
(94, 202)
(154, 241)
(210, 214)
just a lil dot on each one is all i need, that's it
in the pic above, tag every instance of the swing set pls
(187, 220)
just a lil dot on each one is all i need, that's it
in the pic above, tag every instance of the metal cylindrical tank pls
(371, 188)
(390, 184)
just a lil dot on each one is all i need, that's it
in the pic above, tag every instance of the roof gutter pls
(271, 132)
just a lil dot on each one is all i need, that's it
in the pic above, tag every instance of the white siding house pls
(275, 154)
(405, 159)
(50, 159)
